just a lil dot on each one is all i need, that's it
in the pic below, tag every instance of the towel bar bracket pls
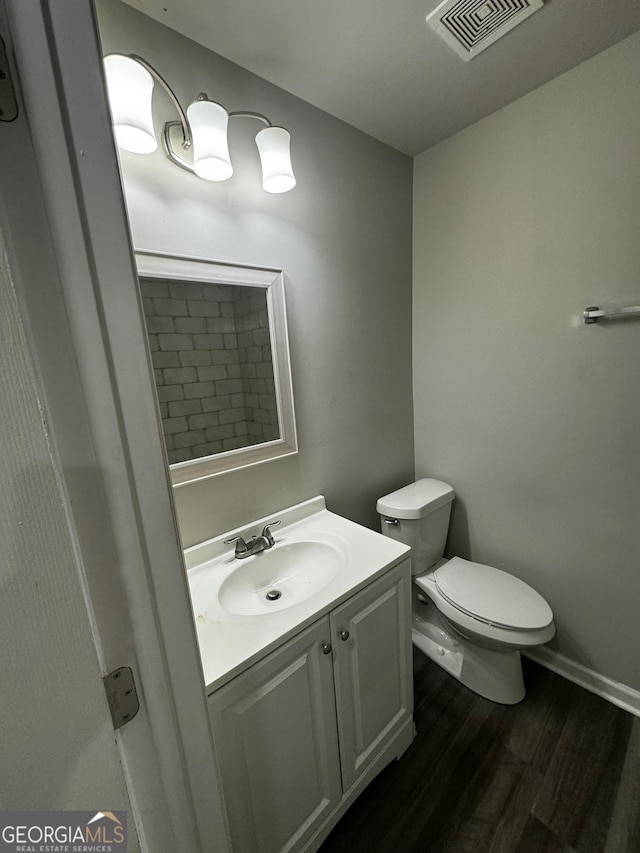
(594, 313)
(589, 317)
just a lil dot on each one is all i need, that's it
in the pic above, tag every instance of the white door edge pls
(69, 249)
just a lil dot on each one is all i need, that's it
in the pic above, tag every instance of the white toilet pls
(471, 619)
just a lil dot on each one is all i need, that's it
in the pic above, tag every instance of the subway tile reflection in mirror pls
(219, 347)
(211, 352)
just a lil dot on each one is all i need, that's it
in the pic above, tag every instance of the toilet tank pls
(418, 515)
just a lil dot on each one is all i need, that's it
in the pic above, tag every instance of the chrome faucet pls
(256, 544)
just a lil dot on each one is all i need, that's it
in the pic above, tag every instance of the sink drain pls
(273, 595)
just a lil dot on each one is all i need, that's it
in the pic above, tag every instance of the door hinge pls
(8, 103)
(121, 695)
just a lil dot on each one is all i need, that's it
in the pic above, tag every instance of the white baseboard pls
(619, 694)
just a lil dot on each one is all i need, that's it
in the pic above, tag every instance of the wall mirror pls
(220, 351)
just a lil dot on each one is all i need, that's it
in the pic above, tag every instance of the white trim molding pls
(613, 691)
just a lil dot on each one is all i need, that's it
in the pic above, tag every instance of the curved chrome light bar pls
(273, 145)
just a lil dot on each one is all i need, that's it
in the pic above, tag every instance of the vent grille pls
(470, 26)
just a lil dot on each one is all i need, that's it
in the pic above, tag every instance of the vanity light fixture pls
(130, 82)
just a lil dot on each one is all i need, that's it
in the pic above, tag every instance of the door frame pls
(63, 215)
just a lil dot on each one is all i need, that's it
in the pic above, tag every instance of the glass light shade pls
(208, 122)
(130, 88)
(277, 173)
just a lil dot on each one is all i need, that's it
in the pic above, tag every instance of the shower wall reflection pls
(211, 351)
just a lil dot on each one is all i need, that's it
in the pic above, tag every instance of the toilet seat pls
(491, 596)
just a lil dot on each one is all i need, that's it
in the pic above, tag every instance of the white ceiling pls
(377, 65)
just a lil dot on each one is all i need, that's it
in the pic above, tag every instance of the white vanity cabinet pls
(373, 670)
(300, 733)
(274, 729)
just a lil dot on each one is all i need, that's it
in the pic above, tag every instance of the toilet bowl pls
(471, 619)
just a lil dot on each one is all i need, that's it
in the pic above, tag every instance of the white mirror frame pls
(158, 265)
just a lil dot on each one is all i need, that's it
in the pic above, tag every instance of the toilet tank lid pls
(416, 500)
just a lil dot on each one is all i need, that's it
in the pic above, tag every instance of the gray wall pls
(522, 221)
(343, 239)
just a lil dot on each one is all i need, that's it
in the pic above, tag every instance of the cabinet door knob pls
(344, 635)
(326, 648)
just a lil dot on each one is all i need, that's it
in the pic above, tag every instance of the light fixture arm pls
(187, 140)
(258, 116)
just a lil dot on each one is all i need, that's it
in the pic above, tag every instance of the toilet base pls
(493, 674)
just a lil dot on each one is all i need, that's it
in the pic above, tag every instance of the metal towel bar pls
(593, 314)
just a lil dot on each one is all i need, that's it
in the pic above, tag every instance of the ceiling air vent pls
(469, 26)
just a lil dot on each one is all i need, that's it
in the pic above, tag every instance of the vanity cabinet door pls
(373, 669)
(274, 728)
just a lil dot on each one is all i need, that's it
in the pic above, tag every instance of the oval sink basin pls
(279, 578)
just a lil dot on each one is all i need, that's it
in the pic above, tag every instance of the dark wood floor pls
(558, 773)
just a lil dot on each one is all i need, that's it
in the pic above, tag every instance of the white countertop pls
(230, 643)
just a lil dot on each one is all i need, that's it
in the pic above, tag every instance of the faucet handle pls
(241, 545)
(266, 532)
